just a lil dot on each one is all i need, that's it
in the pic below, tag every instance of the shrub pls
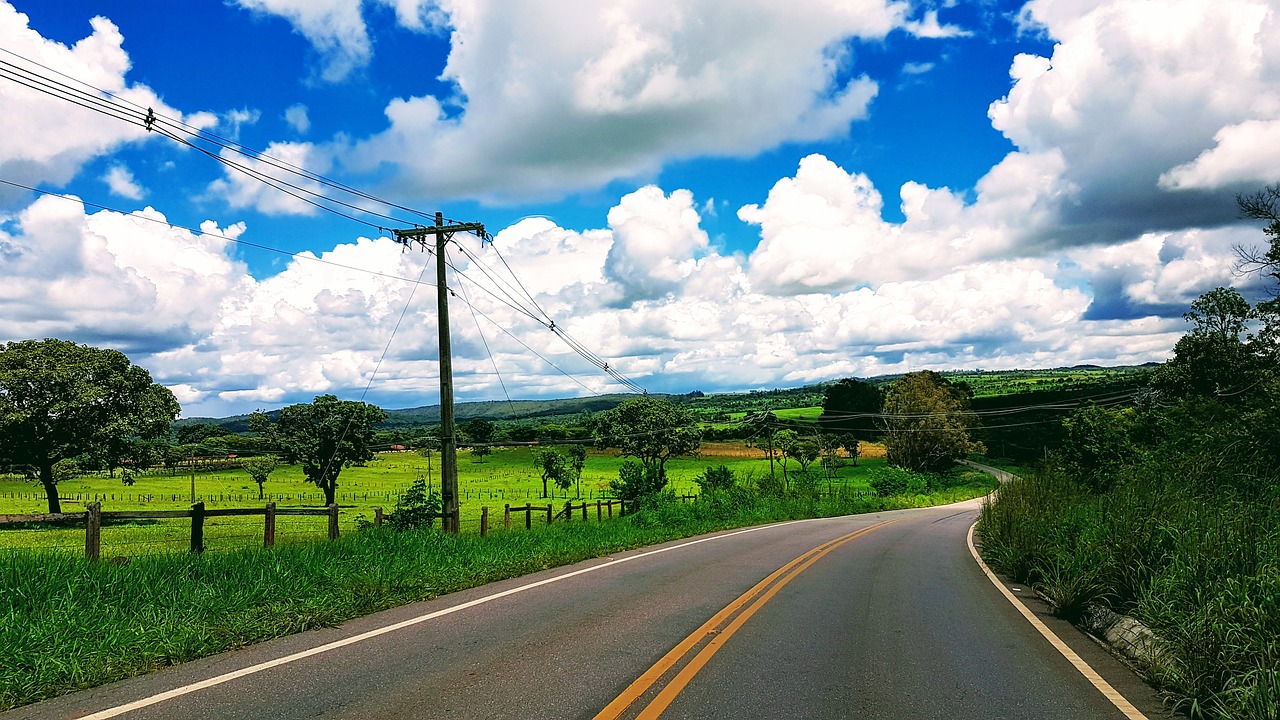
(417, 508)
(637, 482)
(888, 481)
(719, 477)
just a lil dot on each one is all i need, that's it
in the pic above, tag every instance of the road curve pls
(895, 622)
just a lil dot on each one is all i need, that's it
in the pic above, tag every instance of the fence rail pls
(93, 516)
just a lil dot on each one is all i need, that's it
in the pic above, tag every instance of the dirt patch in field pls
(871, 450)
(740, 450)
(730, 450)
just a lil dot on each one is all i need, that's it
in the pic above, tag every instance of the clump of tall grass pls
(1195, 562)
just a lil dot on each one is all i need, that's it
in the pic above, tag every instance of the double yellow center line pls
(714, 633)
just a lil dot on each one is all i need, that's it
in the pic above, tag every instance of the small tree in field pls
(577, 462)
(650, 430)
(324, 436)
(260, 468)
(555, 467)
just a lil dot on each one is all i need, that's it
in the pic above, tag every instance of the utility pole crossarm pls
(419, 234)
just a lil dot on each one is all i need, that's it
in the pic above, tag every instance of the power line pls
(296, 255)
(119, 108)
(111, 104)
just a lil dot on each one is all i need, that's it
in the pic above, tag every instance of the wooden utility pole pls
(448, 440)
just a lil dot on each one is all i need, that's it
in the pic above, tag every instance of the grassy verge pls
(68, 624)
(1201, 569)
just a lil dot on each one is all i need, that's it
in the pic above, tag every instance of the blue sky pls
(712, 198)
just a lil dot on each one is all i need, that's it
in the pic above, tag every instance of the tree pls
(765, 425)
(260, 468)
(324, 436)
(786, 442)
(805, 452)
(649, 429)
(479, 430)
(480, 452)
(60, 400)
(1215, 359)
(1263, 205)
(926, 422)
(195, 433)
(1096, 445)
(418, 508)
(850, 406)
(554, 467)
(577, 462)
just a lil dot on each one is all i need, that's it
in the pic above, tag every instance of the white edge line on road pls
(301, 655)
(1076, 661)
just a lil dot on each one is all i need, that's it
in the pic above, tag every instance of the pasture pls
(506, 476)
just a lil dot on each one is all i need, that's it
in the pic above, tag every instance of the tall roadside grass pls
(1171, 545)
(67, 624)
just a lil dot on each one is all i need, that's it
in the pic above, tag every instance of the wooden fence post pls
(550, 512)
(610, 504)
(599, 512)
(584, 510)
(377, 516)
(568, 510)
(93, 530)
(333, 522)
(622, 507)
(506, 517)
(484, 520)
(269, 528)
(528, 516)
(197, 527)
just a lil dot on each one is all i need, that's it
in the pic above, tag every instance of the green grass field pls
(506, 476)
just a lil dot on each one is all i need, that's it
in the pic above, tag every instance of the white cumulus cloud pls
(47, 140)
(563, 96)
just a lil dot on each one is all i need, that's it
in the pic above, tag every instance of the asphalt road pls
(896, 622)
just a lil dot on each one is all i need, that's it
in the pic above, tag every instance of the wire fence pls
(389, 497)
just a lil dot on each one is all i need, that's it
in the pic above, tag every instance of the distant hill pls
(985, 383)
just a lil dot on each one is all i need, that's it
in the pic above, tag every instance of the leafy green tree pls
(480, 452)
(764, 426)
(1097, 445)
(324, 436)
(60, 400)
(555, 467)
(479, 430)
(194, 433)
(260, 468)
(926, 422)
(805, 452)
(577, 463)
(851, 406)
(649, 429)
(787, 442)
(1216, 359)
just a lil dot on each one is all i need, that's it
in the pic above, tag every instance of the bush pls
(888, 481)
(636, 482)
(719, 477)
(417, 508)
